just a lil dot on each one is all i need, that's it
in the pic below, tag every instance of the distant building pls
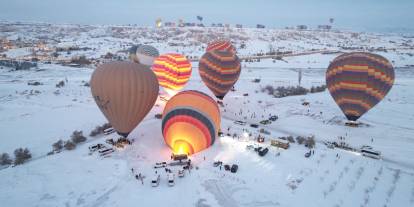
(324, 27)
(301, 27)
(260, 26)
(239, 26)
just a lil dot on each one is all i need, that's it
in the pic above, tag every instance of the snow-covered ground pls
(37, 116)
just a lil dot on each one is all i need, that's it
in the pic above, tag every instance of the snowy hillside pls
(37, 116)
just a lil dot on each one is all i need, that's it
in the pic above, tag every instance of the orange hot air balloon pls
(191, 121)
(172, 70)
(125, 92)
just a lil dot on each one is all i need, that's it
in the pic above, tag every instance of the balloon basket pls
(352, 124)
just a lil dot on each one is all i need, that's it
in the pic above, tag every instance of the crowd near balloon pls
(125, 91)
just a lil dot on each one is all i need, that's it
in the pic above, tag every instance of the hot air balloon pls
(191, 121)
(357, 81)
(146, 54)
(220, 45)
(125, 92)
(132, 53)
(173, 71)
(219, 70)
(158, 22)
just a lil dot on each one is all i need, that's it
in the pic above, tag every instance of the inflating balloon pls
(125, 92)
(172, 70)
(358, 81)
(146, 54)
(132, 53)
(191, 121)
(219, 70)
(220, 45)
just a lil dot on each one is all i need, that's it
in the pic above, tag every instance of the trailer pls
(279, 143)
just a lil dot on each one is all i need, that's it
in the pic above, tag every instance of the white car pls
(171, 181)
(181, 173)
(155, 181)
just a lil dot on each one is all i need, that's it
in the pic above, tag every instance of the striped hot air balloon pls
(219, 70)
(220, 45)
(191, 121)
(146, 54)
(173, 71)
(358, 81)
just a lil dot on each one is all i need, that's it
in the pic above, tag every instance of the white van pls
(155, 181)
(171, 181)
(109, 131)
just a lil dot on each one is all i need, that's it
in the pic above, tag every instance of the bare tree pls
(5, 159)
(77, 137)
(21, 156)
(69, 145)
(57, 146)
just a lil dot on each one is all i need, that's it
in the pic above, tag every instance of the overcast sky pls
(372, 15)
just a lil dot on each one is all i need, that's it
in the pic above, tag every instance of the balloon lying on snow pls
(219, 70)
(358, 81)
(172, 70)
(221, 45)
(132, 53)
(125, 92)
(191, 121)
(146, 54)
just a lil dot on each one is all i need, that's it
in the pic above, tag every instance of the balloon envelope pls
(221, 45)
(146, 54)
(172, 70)
(125, 92)
(358, 81)
(132, 53)
(191, 121)
(219, 70)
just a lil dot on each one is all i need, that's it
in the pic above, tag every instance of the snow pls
(330, 177)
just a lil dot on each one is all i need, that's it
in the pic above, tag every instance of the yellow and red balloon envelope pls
(172, 70)
(358, 81)
(191, 121)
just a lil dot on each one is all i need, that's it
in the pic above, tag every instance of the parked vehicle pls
(155, 181)
(308, 154)
(227, 167)
(179, 157)
(170, 178)
(273, 118)
(181, 173)
(371, 153)
(234, 168)
(93, 148)
(105, 152)
(263, 152)
(240, 122)
(160, 165)
(265, 122)
(279, 143)
(109, 131)
(254, 125)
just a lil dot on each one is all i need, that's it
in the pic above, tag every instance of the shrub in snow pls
(60, 84)
(69, 145)
(99, 129)
(5, 159)
(290, 139)
(310, 142)
(300, 139)
(57, 146)
(21, 155)
(77, 137)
